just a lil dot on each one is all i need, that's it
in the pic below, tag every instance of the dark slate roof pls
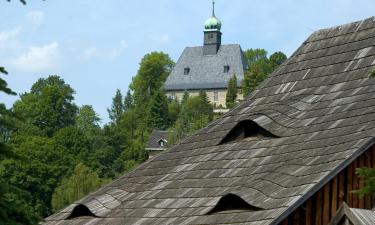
(321, 105)
(207, 71)
(354, 216)
(155, 137)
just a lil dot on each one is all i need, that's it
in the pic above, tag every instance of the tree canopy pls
(260, 66)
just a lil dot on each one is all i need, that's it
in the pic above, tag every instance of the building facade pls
(208, 67)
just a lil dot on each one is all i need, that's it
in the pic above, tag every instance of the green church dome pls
(212, 24)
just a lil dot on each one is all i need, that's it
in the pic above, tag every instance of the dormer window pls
(162, 143)
(186, 71)
(226, 69)
(247, 130)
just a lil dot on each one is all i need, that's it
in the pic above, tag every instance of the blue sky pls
(96, 45)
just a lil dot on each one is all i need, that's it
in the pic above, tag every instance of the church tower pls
(212, 34)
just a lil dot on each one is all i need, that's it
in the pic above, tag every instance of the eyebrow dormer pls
(232, 202)
(247, 130)
(81, 211)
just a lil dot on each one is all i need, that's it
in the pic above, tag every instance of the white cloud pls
(90, 53)
(37, 59)
(35, 18)
(95, 53)
(9, 39)
(124, 44)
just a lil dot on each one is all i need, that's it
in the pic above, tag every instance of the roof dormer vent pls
(232, 202)
(81, 211)
(247, 130)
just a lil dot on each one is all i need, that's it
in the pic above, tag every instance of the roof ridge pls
(358, 23)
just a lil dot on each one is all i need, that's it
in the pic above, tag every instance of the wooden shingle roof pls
(312, 117)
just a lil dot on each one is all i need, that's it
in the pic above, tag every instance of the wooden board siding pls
(322, 206)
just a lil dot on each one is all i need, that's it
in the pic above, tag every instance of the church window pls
(211, 35)
(226, 69)
(186, 71)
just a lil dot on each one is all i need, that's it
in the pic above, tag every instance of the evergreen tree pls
(128, 102)
(232, 92)
(158, 114)
(82, 182)
(117, 108)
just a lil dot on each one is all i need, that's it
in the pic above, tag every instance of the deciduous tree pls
(80, 183)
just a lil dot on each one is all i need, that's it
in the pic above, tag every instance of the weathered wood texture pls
(322, 206)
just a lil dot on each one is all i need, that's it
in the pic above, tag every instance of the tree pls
(158, 113)
(128, 101)
(185, 97)
(117, 108)
(232, 92)
(48, 106)
(153, 71)
(87, 120)
(82, 182)
(173, 111)
(368, 175)
(23, 1)
(195, 114)
(14, 209)
(43, 163)
(259, 68)
(253, 55)
(276, 59)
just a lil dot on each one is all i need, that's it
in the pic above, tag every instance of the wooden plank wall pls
(322, 206)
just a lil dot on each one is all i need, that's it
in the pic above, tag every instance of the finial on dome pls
(213, 8)
(213, 23)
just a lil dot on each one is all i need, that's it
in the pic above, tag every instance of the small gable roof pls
(155, 137)
(320, 108)
(207, 71)
(354, 216)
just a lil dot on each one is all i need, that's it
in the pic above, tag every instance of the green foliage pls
(185, 97)
(48, 106)
(80, 183)
(153, 71)
(174, 110)
(372, 74)
(259, 68)
(22, 1)
(117, 107)
(232, 92)
(195, 113)
(43, 164)
(14, 208)
(276, 59)
(128, 102)
(368, 176)
(87, 120)
(158, 113)
(253, 55)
